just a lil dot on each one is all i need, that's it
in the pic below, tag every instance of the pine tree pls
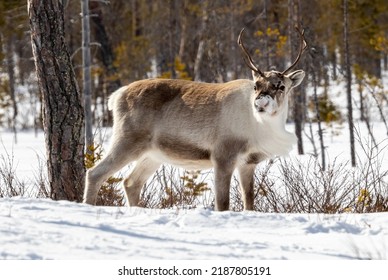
(63, 110)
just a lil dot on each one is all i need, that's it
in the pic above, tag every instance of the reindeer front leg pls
(225, 158)
(223, 174)
(246, 173)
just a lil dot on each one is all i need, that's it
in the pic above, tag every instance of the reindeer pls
(195, 125)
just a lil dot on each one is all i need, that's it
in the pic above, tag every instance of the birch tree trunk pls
(62, 107)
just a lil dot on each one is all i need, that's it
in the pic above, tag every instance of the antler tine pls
(303, 47)
(247, 58)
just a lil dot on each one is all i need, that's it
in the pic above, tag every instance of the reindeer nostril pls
(262, 104)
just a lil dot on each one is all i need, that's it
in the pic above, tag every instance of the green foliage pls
(180, 71)
(367, 202)
(379, 41)
(132, 58)
(192, 187)
(328, 111)
(109, 194)
(92, 156)
(275, 39)
(192, 190)
(362, 75)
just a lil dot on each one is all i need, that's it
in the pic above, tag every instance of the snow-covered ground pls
(44, 229)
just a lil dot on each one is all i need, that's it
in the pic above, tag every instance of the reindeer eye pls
(282, 87)
(254, 88)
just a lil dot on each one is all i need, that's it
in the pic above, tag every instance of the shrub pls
(170, 188)
(328, 111)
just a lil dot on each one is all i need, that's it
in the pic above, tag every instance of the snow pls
(27, 154)
(46, 229)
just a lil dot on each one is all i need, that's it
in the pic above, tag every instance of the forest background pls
(191, 39)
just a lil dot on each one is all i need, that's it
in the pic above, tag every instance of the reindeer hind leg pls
(120, 154)
(133, 184)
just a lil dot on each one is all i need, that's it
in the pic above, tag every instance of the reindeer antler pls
(303, 47)
(247, 58)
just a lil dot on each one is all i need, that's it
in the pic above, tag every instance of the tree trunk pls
(362, 109)
(318, 116)
(106, 54)
(87, 82)
(63, 111)
(201, 45)
(266, 39)
(349, 84)
(183, 31)
(334, 62)
(111, 80)
(11, 78)
(298, 95)
(171, 37)
(233, 40)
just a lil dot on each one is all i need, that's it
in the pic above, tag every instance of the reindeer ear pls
(296, 77)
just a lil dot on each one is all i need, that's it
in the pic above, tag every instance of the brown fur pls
(181, 149)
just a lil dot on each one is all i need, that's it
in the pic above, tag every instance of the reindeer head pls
(272, 87)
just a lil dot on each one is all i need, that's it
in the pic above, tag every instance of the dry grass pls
(299, 185)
